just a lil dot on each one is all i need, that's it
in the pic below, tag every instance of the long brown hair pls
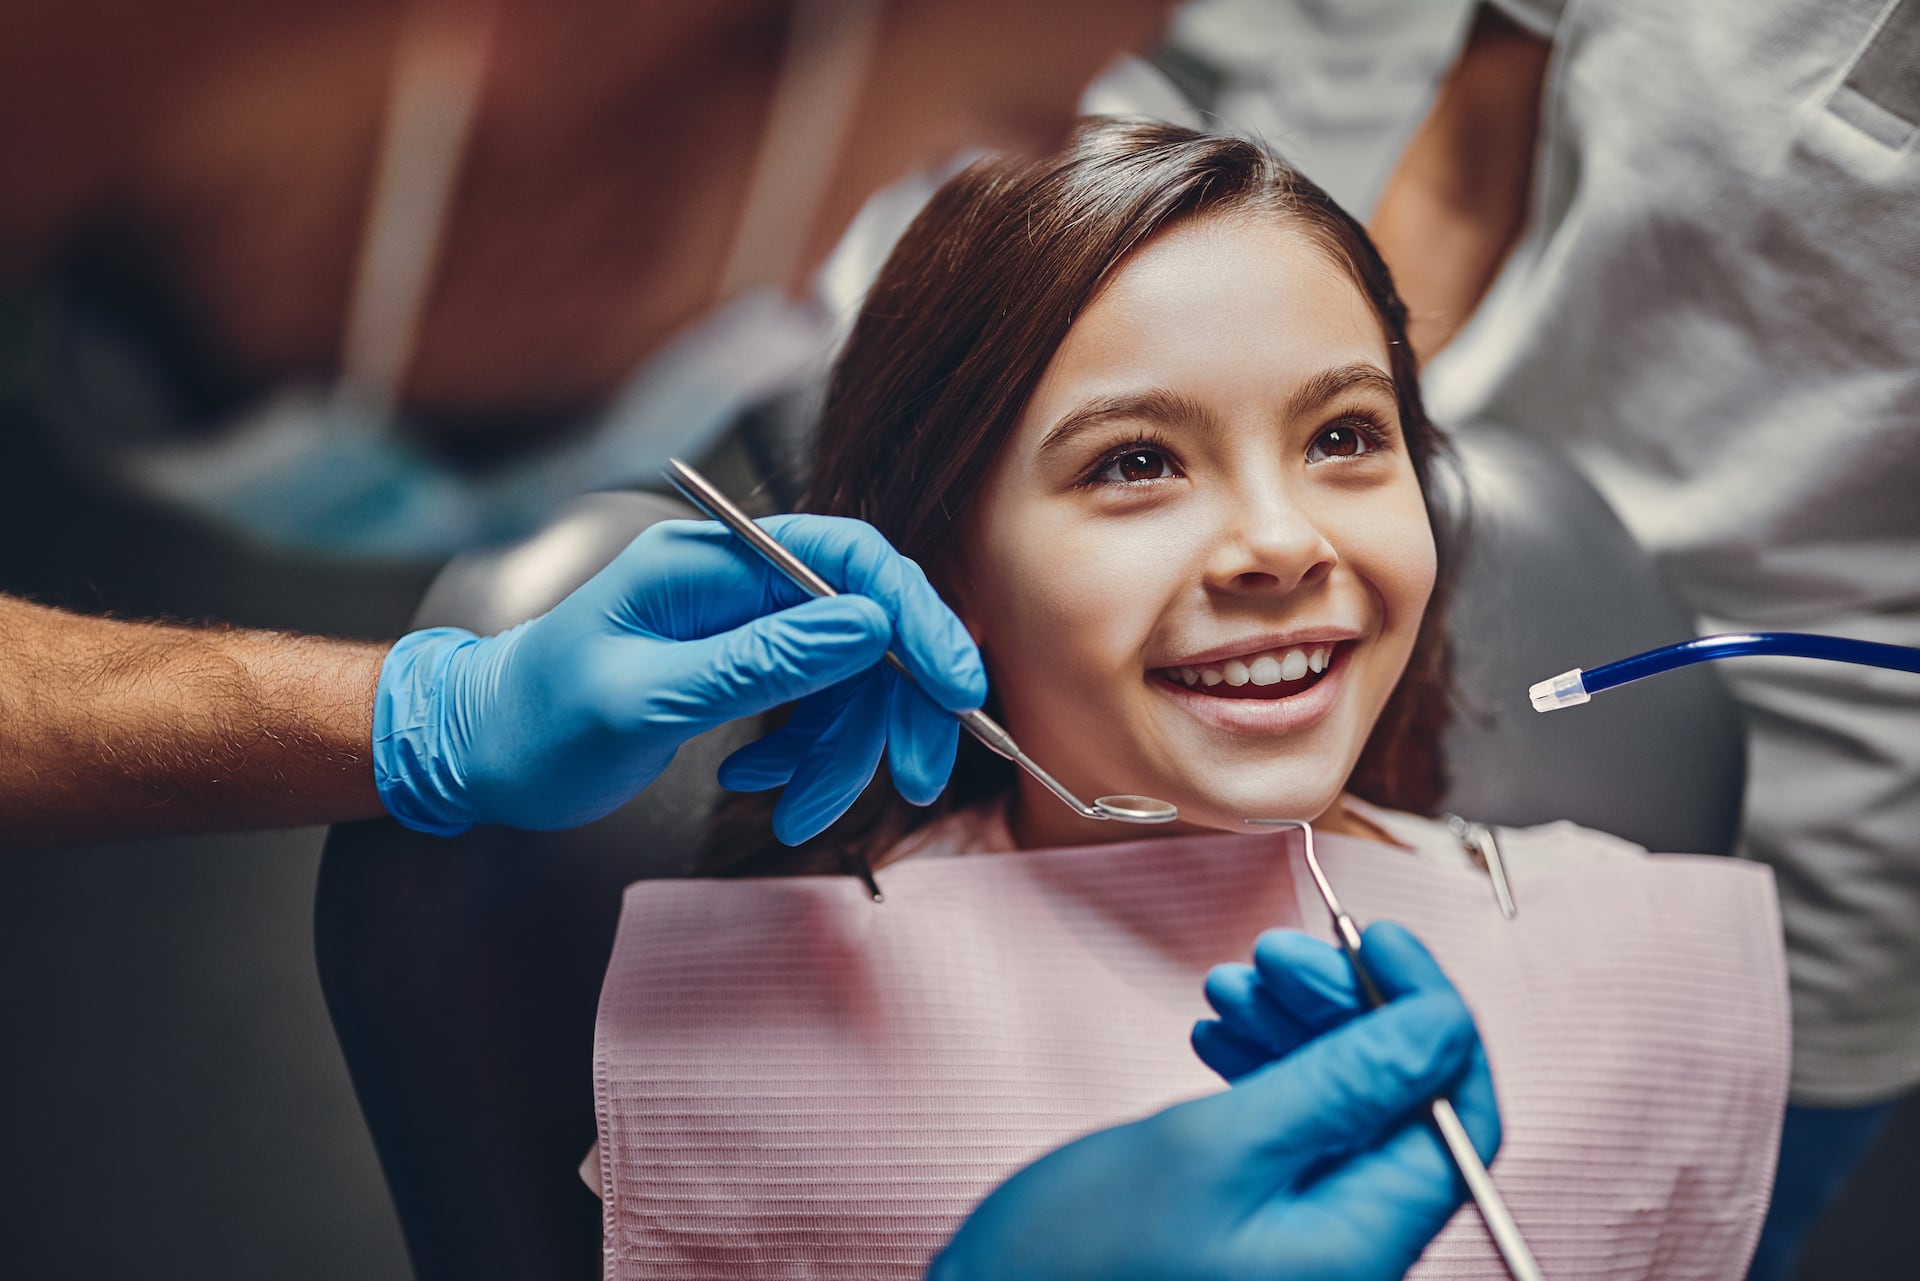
(954, 337)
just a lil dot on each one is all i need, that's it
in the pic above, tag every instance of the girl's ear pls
(953, 589)
(971, 621)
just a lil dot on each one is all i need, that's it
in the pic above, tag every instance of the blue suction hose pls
(1570, 689)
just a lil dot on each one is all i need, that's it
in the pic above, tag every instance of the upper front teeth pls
(1267, 669)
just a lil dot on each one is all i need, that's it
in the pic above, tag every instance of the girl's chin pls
(1041, 822)
(1211, 809)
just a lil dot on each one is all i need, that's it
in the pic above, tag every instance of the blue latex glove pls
(1316, 1165)
(562, 719)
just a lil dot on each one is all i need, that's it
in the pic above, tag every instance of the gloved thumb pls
(775, 659)
(1346, 1089)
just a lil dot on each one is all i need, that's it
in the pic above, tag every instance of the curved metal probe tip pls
(1320, 881)
(1493, 1207)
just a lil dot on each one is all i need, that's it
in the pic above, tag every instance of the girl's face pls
(1199, 563)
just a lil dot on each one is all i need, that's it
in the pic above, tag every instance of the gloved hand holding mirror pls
(562, 719)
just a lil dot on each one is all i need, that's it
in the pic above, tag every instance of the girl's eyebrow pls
(1168, 408)
(1315, 392)
(1158, 405)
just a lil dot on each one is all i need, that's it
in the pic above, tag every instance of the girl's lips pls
(1245, 715)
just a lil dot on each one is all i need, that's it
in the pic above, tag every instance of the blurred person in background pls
(1683, 243)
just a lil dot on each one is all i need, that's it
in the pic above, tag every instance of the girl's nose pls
(1268, 543)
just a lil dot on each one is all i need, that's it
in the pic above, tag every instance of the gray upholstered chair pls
(1552, 580)
(462, 974)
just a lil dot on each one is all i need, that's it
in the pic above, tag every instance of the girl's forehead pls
(1221, 306)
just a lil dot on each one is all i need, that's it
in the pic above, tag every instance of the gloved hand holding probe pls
(1317, 1165)
(562, 719)
(1298, 988)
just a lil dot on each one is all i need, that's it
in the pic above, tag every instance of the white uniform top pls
(1715, 308)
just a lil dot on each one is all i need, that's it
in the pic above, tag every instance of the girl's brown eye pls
(1341, 442)
(1348, 439)
(1134, 465)
(1141, 465)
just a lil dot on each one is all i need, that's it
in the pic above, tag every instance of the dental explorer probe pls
(702, 493)
(1493, 1208)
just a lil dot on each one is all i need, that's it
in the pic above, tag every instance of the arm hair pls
(111, 728)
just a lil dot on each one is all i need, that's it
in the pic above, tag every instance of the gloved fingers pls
(1402, 966)
(922, 741)
(689, 579)
(770, 760)
(685, 580)
(1370, 1214)
(1474, 1099)
(764, 764)
(1346, 1089)
(1410, 1164)
(1229, 1054)
(837, 766)
(1400, 963)
(778, 658)
(1310, 980)
(1244, 1005)
(930, 639)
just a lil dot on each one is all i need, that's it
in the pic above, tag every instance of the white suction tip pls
(1564, 690)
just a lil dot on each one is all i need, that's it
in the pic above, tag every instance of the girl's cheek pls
(1081, 601)
(1107, 568)
(1391, 546)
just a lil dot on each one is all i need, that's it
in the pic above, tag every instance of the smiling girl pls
(1146, 415)
(1148, 419)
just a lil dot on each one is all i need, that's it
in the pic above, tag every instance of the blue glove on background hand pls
(562, 719)
(1317, 1165)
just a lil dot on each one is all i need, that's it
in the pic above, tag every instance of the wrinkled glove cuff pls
(418, 781)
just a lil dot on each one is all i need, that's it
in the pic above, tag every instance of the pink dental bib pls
(794, 1081)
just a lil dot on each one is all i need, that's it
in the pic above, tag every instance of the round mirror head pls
(1136, 809)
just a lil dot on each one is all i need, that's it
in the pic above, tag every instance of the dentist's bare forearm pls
(111, 728)
(1457, 200)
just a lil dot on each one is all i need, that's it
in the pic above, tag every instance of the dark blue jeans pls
(1819, 1150)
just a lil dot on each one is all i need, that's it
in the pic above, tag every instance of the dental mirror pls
(702, 493)
(1122, 809)
(1136, 809)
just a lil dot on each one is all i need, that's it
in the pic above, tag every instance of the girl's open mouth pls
(1272, 674)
